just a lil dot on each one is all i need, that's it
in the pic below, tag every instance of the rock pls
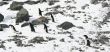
(62, 40)
(94, 1)
(86, 5)
(1, 17)
(31, 2)
(35, 2)
(40, 20)
(50, 38)
(16, 5)
(22, 15)
(1, 29)
(105, 4)
(66, 25)
(6, 0)
(36, 22)
(4, 25)
(3, 3)
(24, 24)
(52, 2)
(37, 40)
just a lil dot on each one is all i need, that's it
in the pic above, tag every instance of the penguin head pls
(86, 36)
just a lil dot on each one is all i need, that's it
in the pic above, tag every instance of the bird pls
(52, 18)
(32, 27)
(88, 41)
(40, 12)
(45, 27)
(1, 17)
(13, 28)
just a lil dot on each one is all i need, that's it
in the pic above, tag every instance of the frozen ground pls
(74, 41)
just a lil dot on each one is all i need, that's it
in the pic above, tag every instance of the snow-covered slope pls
(86, 21)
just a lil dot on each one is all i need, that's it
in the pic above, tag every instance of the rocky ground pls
(78, 26)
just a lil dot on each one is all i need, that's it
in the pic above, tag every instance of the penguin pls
(32, 27)
(52, 18)
(88, 41)
(40, 12)
(1, 17)
(45, 27)
(1, 29)
(13, 28)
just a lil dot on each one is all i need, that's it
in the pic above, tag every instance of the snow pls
(70, 45)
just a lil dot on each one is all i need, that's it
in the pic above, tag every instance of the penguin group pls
(18, 20)
(41, 18)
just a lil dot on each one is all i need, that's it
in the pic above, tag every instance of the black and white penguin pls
(40, 12)
(1, 17)
(88, 41)
(13, 28)
(32, 27)
(53, 20)
(45, 27)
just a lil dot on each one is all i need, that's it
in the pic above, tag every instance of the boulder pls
(4, 25)
(3, 3)
(22, 15)
(94, 2)
(24, 24)
(16, 5)
(37, 40)
(105, 4)
(40, 20)
(66, 25)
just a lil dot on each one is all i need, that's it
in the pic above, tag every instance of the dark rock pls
(16, 5)
(80, 27)
(37, 40)
(1, 17)
(62, 40)
(94, 2)
(22, 15)
(1, 29)
(54, 13)
(35, 2)
(52, 2)
(3, 3)
(50, 38)
(36, 22)
(31, 2)
(66, 25)
(24, 24)
(4, 25)
(40, 20)
(19, 43)
(105, 5)
(6, 0)
(86, 5)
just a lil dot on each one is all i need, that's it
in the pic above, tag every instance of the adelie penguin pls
(13, 28)
(45, 27)
(32, 27)
(88, 41)
(53, 20)
(1, 17)
(40, 12)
